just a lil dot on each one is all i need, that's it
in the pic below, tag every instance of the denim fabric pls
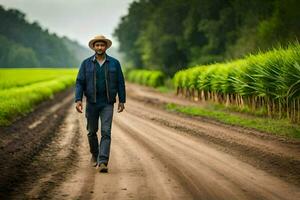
(105, 112)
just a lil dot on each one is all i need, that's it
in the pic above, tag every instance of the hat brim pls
(107, 41)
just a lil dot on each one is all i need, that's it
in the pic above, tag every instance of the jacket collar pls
(107, 57)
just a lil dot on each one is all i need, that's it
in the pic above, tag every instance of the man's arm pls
(80, 82)
(121, 88)
(121, 85)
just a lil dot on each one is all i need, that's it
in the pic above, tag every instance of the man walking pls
(100, 79)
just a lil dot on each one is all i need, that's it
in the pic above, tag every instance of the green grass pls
(24, 76)
(164, 89)
(153, 78)
(22, 89)
(281, 127)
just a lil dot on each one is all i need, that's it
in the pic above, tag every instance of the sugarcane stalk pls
(298, 102)
(279, 108)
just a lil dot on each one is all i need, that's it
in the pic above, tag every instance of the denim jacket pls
(114, 79)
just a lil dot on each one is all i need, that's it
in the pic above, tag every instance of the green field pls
(153, 78)
(267, 82)
(22, 89)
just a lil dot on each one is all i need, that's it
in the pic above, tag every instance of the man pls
(100, 79)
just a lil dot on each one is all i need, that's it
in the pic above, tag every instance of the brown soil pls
(155, 154)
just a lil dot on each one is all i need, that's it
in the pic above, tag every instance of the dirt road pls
(154, 155)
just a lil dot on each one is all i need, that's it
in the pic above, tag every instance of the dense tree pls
(173, 34)
(131, 27)
(14, 55)
(24, 44)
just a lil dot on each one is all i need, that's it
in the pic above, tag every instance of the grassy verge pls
(18, 100)
(280, 127)
(164, 89)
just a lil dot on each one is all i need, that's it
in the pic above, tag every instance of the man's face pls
(100, 47)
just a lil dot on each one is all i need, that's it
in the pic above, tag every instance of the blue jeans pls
(105, 112)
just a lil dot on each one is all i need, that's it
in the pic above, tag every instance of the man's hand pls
(79, 106)
(121, 107)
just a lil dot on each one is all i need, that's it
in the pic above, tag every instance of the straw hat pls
(99, 38)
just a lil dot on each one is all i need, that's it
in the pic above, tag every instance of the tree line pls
(24, 44)
(171, 35)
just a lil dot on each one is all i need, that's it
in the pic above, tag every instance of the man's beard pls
(100, 53)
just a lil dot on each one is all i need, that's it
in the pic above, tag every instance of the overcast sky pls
(76, 19)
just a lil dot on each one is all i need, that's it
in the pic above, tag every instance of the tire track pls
(20, 144)
(53, 164)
